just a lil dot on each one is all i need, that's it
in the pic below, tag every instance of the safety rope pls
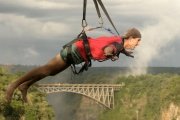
(84, 22)
(96, 2)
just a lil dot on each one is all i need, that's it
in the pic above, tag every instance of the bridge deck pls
(102, 93)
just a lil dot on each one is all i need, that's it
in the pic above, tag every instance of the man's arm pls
(110, 51)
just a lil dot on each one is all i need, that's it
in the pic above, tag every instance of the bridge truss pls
(102, 93)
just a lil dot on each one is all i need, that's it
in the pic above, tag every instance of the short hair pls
(132, 32)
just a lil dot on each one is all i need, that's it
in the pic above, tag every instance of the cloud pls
(45, 25)
(30, 52)
(21, 26)
(42, 9)
(39, 4)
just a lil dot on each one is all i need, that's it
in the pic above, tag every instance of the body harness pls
(83, 36)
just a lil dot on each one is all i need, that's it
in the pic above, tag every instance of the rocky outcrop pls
(171, 113)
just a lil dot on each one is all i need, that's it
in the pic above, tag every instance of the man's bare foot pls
(23, 89)
(9, 93)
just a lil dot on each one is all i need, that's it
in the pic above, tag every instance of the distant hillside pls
(150, 70)
(17, 68)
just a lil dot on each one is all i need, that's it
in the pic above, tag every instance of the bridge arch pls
(101, 93)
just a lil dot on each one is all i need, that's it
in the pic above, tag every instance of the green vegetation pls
(36, 109)
(144, 97)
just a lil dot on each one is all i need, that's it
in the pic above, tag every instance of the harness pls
(87, 63)
(83, 36)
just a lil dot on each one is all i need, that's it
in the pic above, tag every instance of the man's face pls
(132, 43)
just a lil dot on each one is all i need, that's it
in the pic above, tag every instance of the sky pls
(34, 31)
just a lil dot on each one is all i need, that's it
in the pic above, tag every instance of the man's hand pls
(109, 53)
(114, 58)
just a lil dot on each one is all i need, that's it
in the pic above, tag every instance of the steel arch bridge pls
(102, 93)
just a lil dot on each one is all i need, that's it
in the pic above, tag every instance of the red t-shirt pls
(97, 46)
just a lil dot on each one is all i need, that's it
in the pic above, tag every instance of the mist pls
(157, 36)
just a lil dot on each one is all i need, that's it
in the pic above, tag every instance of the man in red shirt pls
(101, 48)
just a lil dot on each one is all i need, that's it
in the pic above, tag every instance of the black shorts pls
(75, 54)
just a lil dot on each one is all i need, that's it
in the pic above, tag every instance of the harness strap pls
(98, 12)
(84, 22)
(97, 8)
(72, 64)
(73, 68)
(86, 46)
(127, 53)
(107, 15)
(87, 63)
(70, 43)
(69, 56)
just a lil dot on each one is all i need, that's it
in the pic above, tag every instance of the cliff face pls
(171, 113)
(88, 110)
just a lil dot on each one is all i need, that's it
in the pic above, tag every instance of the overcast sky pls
(33, 31)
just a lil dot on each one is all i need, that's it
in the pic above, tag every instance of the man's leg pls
(24, 86)
(53, 67)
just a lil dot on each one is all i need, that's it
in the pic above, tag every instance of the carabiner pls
(84, 23)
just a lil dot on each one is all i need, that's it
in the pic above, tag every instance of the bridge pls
(102, 93)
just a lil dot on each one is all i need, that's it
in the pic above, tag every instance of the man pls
(101, 48)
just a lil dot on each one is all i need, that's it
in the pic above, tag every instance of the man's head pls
(131, 38)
